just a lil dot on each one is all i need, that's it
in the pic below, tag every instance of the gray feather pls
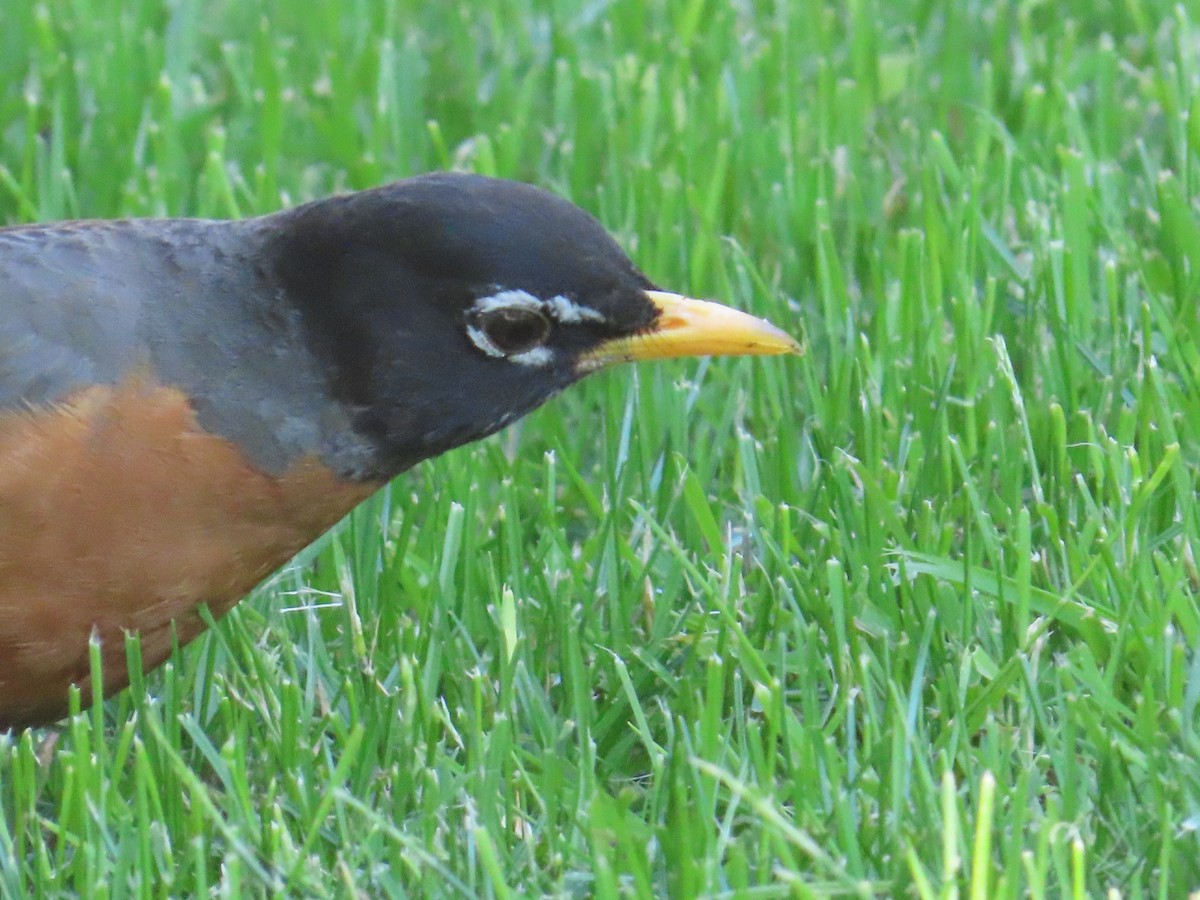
(184, 300)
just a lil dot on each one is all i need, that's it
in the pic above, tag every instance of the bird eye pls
(513, 329)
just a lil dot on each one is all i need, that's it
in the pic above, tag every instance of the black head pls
(448, 305)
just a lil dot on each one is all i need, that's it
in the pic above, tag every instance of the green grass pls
(913, 615)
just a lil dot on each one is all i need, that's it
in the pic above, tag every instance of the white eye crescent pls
(515, 325)
(569, 312)
(512, 330)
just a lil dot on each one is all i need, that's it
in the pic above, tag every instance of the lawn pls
(915, 614)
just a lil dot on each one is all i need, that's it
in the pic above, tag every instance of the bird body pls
(185, 404)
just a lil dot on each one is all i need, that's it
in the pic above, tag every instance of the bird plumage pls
(185, 403)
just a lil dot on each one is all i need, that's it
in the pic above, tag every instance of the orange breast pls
(118, 513)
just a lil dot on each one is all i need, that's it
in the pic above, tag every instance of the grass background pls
(913, 615)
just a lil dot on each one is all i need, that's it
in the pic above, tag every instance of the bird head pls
(448, 305)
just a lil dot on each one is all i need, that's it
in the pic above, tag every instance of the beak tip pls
(789, 345)
(778, 342)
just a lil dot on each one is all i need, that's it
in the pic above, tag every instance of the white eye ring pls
(511, 325)
(559, 309)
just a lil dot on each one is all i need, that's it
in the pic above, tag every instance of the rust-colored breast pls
(118, 513)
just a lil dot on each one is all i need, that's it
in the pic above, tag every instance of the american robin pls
(185, 404)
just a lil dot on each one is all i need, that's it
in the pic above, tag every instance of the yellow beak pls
(687, 327)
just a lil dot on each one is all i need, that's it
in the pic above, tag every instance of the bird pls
(187, 403)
